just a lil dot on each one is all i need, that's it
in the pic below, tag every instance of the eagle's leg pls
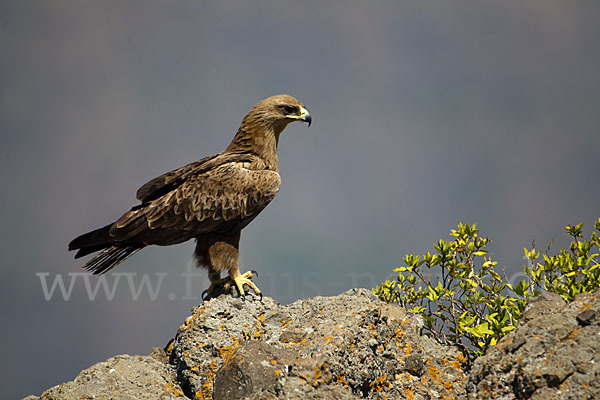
(219, 253)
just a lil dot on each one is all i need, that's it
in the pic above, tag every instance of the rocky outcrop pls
(122, 377)
(344, 347)
(350, 346)
(553, 354)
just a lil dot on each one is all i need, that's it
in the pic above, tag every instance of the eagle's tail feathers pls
(97, 239)
(84, 251)
(110, 258)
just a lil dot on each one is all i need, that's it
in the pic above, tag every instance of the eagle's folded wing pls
(169, 181)
(224, 199)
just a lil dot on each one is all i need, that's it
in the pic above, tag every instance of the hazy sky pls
(424, 114)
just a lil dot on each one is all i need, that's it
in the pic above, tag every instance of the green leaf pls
(483, 329)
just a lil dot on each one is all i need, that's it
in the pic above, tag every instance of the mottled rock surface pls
(351, 346)
(344, 347)
(121, 377)
(553, 354)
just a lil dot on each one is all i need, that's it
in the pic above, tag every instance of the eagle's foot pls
(240, 281)
(226, 284)
(215, 289)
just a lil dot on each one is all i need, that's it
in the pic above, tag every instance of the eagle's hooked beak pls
(305, 116)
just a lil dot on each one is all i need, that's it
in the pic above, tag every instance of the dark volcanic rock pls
(553, 354)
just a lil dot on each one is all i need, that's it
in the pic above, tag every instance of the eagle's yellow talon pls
(245, 279)
(227, 283)
(214, 285)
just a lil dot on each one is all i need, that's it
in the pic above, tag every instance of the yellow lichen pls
(285, 323)
(448, 386)
(380, 384)
(574, 333)
(259, 326)
(169, 348)
(434, 374)
(341, 380)
(172, 388)
(205, 392)
(317, 375)
(408, 394)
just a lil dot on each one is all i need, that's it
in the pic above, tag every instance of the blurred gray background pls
(425, 114)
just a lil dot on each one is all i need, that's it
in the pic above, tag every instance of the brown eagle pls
(210, 200)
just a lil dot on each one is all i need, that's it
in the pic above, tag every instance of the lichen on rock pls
(351, 346)
(553, 354)
(347, 346)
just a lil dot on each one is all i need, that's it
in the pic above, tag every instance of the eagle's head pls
(277, 112)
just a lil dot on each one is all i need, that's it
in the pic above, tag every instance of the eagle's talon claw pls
(236, 286)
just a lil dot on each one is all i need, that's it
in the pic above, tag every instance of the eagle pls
(210, 200)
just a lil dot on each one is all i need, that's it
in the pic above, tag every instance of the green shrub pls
(569, 272)
(465, 302)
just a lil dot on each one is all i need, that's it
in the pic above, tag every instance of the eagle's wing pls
(169, 181)
(221, 194)
(164, 183)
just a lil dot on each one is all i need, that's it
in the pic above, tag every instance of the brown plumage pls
(210, 200)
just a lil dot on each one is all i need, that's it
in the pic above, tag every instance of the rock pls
(254, 367)
(351, 346)
(414, 364)
(121, 377)
(347, 346)
(554, 353)
(586, 317)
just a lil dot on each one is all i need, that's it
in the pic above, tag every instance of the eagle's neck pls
(259, 140)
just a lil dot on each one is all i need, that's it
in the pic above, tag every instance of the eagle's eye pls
(289, 110)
